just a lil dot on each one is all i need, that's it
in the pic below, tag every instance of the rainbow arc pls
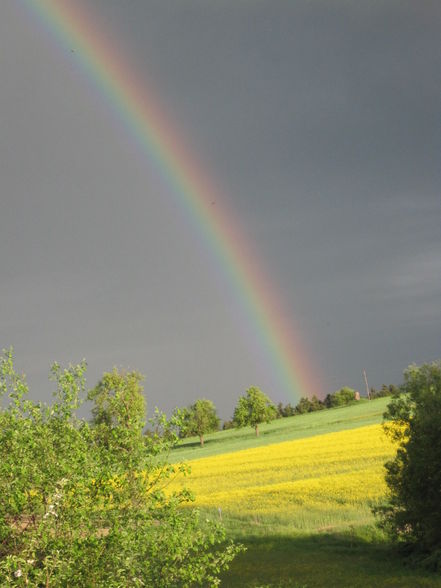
(133, 102)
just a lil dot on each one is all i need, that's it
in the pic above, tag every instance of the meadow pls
(299, 497)
(361, 414)
(319, 483)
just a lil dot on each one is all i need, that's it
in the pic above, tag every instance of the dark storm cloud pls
(320, 120)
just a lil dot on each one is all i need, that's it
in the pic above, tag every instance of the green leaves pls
(198, 419)
(87, 504)
(254, 408)
(71, 384)
(412, 515)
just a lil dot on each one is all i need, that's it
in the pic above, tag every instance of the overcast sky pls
(321, 122)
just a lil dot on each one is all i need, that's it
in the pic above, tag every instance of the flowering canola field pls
(323, 480)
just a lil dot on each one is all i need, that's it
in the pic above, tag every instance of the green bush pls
(86, 504)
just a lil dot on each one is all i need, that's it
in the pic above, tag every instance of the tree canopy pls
(412, 514)
(85, 504)
(200, 418)
(342, 397)
(254, 408)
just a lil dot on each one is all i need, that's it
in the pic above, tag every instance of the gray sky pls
(321, 122)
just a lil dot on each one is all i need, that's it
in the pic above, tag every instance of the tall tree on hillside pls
(200, 418)
(254, 408)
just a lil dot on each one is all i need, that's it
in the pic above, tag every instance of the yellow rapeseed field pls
(319, 479)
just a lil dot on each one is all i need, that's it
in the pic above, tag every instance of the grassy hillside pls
(357, 559)
(286, 429)
(321, 483)
(299, 498)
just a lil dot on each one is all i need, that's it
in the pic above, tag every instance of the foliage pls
(285, 411)
(356, 415)
(86, 505)
(119, 401)
(228, 425)
(384, 391)
(303, 406)
(254, 408)
(412, 514)
(316, 404)
(329, 543)
(342, 397)
(309, 405)
(199, 418)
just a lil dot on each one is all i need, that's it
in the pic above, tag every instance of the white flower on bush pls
(18, 573)
(50, 511)
(56, 498)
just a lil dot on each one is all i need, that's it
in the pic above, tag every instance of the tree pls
(412, 515)
(85, 504)
(118, 400)
(200, 418)
(120, 408)
(342, 397)
(303, 406)
(285, 411)
(254, 408)
(309, 405)
(228, 425)
(316, 404)
(385, 390)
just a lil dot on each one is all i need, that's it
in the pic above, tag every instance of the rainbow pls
(134, 104)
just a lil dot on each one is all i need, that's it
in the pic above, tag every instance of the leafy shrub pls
(86, 504)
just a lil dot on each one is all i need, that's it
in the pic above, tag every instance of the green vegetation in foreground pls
(349, 553)
(362, 413)
(356, 555)
(358, 559)
(83, 504)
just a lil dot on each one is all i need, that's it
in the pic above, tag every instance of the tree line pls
(255, 407)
